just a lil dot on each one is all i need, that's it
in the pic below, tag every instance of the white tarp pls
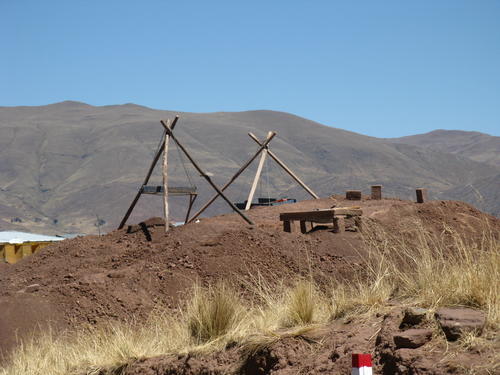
(20, 237)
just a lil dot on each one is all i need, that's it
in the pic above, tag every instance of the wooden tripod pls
(266, 152)
(175, 191)
(168, 129)
(264, 149)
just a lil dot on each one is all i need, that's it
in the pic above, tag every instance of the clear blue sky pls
(382, 68)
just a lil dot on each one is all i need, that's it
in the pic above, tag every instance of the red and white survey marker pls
(361, 364)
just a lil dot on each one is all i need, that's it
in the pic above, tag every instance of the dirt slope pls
(93, 279)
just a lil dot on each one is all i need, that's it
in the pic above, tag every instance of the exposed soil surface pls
(327, 350)
(127, 272)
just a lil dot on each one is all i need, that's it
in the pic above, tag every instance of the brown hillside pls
(474, 145)
(63, 165)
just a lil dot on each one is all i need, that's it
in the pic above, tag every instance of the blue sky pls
(382, 68)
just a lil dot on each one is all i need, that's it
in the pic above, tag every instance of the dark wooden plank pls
(303, 228)
(308, 215)
(185, 190)
(287, 227)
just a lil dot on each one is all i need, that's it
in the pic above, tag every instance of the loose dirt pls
(127, 272)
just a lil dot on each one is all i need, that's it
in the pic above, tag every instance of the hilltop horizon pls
(86, 160)
(70, 101)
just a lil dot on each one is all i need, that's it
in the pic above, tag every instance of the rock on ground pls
(456, 322)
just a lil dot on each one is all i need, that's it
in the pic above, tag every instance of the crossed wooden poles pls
(263, 148)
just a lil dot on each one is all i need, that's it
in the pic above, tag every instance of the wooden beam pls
(321, 215)
(172, 190)
(192, 198)
(270, 136)
(303, 227)
(204, 175)
(287, 227)
(148, 176)
(287, 170)
(165, 178)
(256, 179)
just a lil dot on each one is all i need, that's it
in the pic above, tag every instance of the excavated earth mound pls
(127, 272)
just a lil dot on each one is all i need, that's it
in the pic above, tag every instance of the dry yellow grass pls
(94, 348)
(302, 302)
(432, 270)
(417, 268)
(213, 312)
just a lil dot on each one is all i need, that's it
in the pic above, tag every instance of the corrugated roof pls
(20, 237)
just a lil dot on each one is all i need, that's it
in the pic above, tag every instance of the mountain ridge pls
(61, 166)
(477, 146)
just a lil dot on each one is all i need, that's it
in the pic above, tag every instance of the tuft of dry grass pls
(302, 302)
(213, 312)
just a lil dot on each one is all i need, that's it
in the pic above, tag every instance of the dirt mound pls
(127, 272)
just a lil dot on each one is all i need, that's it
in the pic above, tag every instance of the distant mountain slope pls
(474, 145)
(66, 165)
(485, 192)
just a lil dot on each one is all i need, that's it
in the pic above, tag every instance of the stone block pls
(421, 195)
(353, 195)
(376, 191)
(414, 316)
(412, 338)
(458, 321)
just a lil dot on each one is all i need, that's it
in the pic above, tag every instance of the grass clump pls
(302, 304)
(213, 312)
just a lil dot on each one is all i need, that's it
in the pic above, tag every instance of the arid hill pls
(474, 145)
(66, 166)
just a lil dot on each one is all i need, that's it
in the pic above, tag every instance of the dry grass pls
(96, 348)
(302, 303)
(214, 312)
(416, 268)
(437, 270)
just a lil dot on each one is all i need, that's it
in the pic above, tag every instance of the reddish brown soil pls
(324, 350)
(119, 275)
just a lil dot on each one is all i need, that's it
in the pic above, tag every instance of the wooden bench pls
(335, 215)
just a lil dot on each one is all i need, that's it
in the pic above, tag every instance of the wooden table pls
(334, 215)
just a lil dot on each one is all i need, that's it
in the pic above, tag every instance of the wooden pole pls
(204, 175)
(192, 198)
(256, 179)
(287, 170)
(148, 175)
(165, 179)
(270, 136)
